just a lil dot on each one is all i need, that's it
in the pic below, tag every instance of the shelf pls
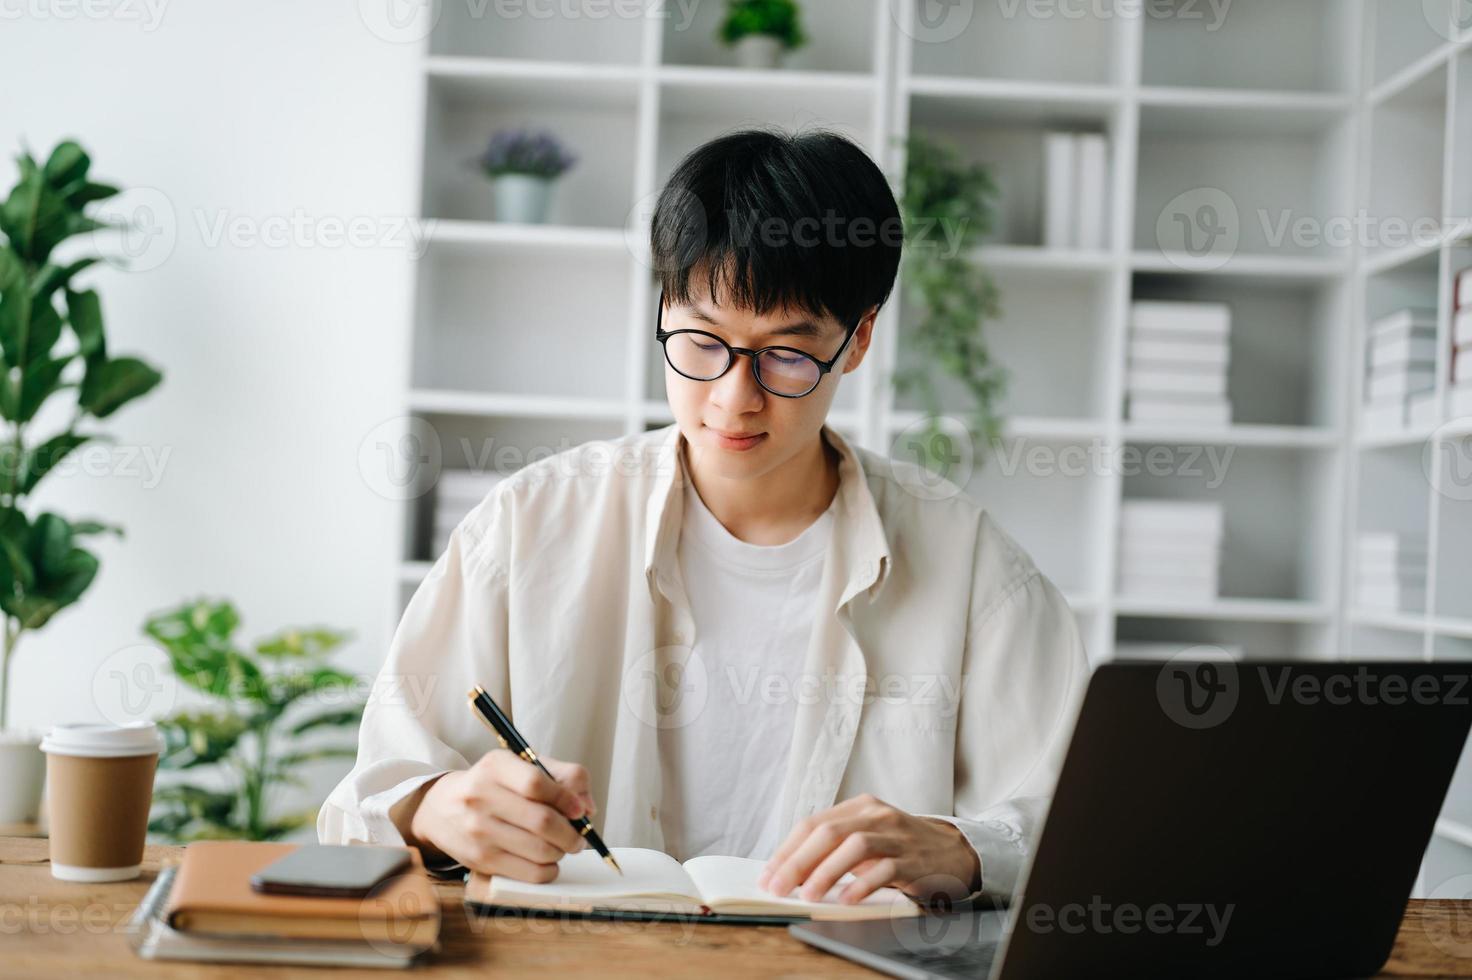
(527, 70)
(477, 404)
(1454, 831)
(1455, 626)
(502, 234)
(994, 100)
(1037, 428)
(1383, 619)
(1265, 436)
(1409, 76)
(1291, 268)
(1239, 111)
(1226, 608)
(1392, 440)
(1053, 261)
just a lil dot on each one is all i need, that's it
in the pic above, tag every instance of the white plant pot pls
(759, 51)
(22, 775)
(522, 198)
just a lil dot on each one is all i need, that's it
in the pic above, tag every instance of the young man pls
(745, 635)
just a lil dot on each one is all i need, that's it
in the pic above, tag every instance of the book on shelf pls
(655, 884)
(1459, 401)
(1463, 291)
(1090, 189)
(1462, 327)
(1144, 515)
(1411, 321)
(1180, 354)
(1399, 383)
(1462, 365)
(1201, 320)
(1423, 410)
(1165, 650)
(1416, 350)
(1059, 169)
(1389, 546)
(1177, 409)
(1164, 381)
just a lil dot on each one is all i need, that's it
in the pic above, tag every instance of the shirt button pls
(653, 814)
(680, 636)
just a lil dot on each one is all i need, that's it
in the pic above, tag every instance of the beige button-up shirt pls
(942, 675)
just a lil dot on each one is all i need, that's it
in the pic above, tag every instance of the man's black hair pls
(774, 220)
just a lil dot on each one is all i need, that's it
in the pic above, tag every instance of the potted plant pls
(273, 700)
(51, 340)
(761, 31)
(522, 164)
(949, 206)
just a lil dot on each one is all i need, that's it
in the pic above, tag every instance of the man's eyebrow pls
(802, 328)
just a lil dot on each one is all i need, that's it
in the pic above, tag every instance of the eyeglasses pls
(784, 371)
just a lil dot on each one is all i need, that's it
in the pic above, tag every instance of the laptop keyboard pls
(968, 962)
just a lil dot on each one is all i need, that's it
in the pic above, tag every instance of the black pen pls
(511, 739)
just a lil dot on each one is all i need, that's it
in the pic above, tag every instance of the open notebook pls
(654, 882)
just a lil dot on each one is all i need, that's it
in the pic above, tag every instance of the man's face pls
(736, 428)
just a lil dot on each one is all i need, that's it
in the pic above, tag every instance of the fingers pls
(860, 849)
(523, 843)
(529, 782)
(538, 819)
(491, 860)
(878, 874)
(575, 778)
(820, 841)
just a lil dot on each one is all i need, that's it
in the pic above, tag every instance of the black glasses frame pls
(662, 335)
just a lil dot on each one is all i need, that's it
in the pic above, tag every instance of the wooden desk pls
(51, 928)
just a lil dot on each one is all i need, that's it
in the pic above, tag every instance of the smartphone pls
(330, 870)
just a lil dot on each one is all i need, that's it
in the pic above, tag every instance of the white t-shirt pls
(753, 608)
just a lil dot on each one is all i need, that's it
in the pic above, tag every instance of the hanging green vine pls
(948, 207)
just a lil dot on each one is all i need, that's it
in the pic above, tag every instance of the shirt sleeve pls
(1024, 674)
(416, 724)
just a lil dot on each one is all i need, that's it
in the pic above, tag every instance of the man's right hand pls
(504, 816)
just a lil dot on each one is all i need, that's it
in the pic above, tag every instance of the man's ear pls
(859, 346)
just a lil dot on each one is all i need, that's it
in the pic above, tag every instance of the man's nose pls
(737, 390)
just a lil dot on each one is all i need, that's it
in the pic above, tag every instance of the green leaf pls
(195, 738)
(84, 311)
(15, 305)
(299, 642)
(49, 278)
(42, 459)
(62, 572)
(111, 384)
(40, 381)
(80, 528)
(282, 826)
(89, 192)
(35, 218)
(292, 759)
(68, 164)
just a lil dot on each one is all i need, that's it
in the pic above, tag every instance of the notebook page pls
(733, 880)
(584, 877)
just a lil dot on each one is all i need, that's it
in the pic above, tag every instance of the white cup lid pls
(103, 741)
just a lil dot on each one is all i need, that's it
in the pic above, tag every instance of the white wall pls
(277, 360)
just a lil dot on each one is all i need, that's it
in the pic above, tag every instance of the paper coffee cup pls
(99, 787)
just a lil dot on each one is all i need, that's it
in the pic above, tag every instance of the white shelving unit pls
(539, 337)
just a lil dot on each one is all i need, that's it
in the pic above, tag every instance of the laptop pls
(1214, 819)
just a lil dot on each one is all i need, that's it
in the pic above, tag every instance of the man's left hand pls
(925, 858)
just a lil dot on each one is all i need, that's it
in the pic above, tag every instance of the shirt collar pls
(858, 531)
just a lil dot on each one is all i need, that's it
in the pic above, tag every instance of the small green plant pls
(51, 340)
(252, 744)
(949, 207)
(772, 18)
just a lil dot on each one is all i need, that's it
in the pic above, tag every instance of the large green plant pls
(949, 207)
(43, 568)
(252, 743)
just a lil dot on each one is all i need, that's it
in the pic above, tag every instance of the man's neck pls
(775, 507)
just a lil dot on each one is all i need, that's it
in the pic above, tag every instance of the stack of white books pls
(1461, 395)
(1390, 572)
(1178, 362)
(1170, 549)
(456, 494)
(1400, 371)
(1075, 188)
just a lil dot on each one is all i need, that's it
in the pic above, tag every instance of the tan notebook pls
(212, 896)
(655, 882)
